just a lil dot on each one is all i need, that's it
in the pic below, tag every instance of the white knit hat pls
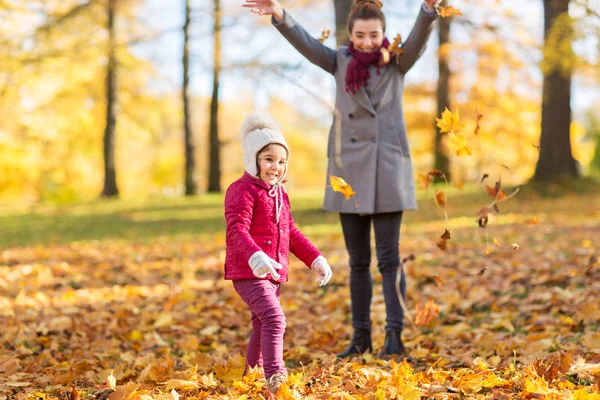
(258, 131)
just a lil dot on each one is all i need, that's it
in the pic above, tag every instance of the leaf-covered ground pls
(148, 316)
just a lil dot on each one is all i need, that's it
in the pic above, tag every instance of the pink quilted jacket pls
(252, 227)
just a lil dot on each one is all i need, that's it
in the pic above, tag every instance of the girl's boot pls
(393, 344)
(361, 342)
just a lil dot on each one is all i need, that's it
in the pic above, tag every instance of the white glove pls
(323, 269)
(262, 265)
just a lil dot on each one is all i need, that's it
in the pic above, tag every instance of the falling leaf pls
(459, 142)
(449, 122)
(449, 11)
(427, 313)
(484, 177)
(324, 35)
(459, 185)
(483, 221)
(440, 198)
(532, 220)
(424, 181)
(496, 193)
(439, 174)
(443, 244)
(446, 234)
(411, 257)
(477, 128)
(496, 242)
(515, 246)
(396, 46)
(340, 185)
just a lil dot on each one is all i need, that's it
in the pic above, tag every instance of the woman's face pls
(367, 35)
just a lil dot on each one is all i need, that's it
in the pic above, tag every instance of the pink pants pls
(265, 347)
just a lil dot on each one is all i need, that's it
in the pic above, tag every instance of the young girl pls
(374, 150)
(260, 235)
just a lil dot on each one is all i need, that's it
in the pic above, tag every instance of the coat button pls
(350, 115)
(353, 140)
(268, 242)
(374, 140)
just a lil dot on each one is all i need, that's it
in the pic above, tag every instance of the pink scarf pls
(357, 74)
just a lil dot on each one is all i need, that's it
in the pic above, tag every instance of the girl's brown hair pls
(365, 10)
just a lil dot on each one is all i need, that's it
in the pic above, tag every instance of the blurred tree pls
(191, 187)
(441, 159)
(556, 158)
(214, 166)
(342, 10)
(110, 174)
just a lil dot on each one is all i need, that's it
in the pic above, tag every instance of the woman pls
(374, 151)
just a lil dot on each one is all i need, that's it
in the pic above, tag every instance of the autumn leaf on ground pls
(395, 46)
(478, 127)
(324, 35)
(496, 242)
(482, 271)
(440, 198)
(424, 181)
(449, 11)
(515, 246)
(426, 314)
(459, 142)
(439, 282)
(532, 220)
(450, 122)
(340, 185)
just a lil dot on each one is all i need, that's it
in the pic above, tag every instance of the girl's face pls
(367, 35)
(272, 163)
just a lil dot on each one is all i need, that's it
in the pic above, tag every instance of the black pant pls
(357, 234)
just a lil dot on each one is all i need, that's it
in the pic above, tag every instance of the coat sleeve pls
(239, 207)
(311, 48)
(415, 45)
(300, 246)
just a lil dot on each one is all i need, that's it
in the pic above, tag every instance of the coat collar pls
(254, 180)
(361, 96)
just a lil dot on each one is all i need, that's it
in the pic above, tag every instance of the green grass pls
(202, 217)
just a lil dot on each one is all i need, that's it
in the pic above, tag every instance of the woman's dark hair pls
(365, 10)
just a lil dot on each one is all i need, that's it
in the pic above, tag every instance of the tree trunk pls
(191, 187)
(342, 10)
(556, 158)
(214, 170)
(110, 175)
(441, 159)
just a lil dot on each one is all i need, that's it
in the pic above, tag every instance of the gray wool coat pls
(375, 152)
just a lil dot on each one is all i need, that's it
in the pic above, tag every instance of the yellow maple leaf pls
(324, 35)
(450, 122)
(449, 11)
(426, 314)
(394, 47)
(341, 186)
(459, 142)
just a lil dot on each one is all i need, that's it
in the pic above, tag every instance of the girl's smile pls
(272, 163)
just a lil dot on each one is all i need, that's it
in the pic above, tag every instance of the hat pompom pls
(258, 120)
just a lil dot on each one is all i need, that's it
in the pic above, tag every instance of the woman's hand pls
(431, 3)
(266, 7)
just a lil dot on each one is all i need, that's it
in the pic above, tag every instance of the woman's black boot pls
(361, 342)
(393, 344)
